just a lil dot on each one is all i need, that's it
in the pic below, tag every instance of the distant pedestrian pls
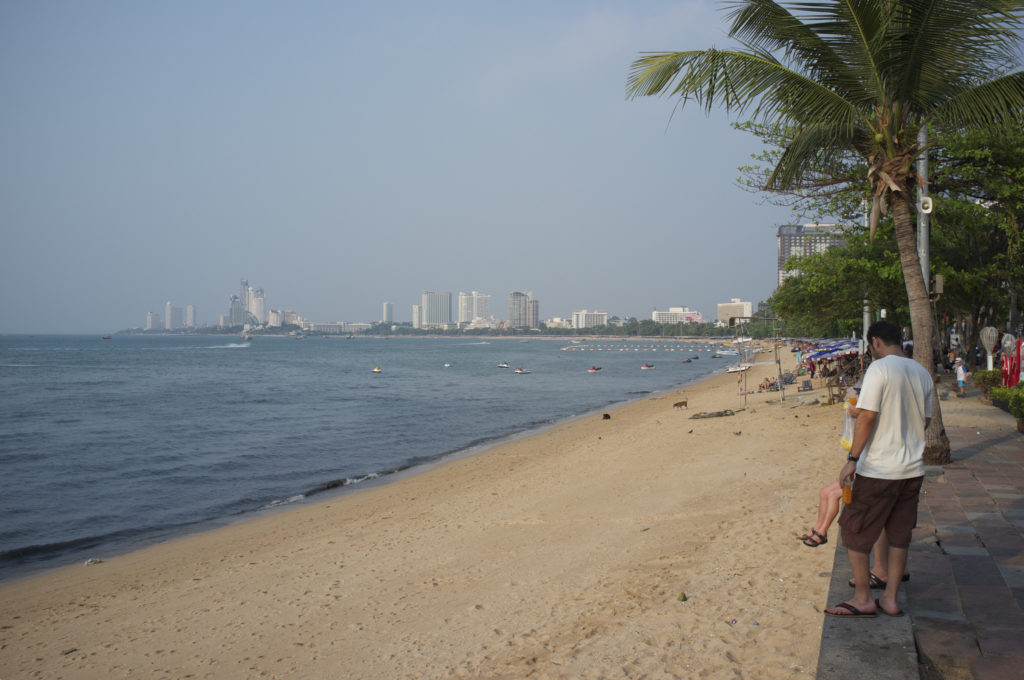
(886, 460)
(961, 377)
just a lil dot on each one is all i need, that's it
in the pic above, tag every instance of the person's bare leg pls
(897, 563)
(861, 600)
(881, 558)
(829, 507)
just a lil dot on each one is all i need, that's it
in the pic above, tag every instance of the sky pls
(340, 155)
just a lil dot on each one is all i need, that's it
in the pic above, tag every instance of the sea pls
(109, 445)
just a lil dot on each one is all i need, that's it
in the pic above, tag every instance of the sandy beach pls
(564, 554)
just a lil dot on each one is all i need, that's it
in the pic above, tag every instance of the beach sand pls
(559, 555)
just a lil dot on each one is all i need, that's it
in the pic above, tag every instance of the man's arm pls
(866, 421)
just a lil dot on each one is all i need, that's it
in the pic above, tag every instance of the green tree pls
(858, 79)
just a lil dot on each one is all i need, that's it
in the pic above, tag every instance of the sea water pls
(109, 445)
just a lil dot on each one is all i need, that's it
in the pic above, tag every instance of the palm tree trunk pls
(936, 451)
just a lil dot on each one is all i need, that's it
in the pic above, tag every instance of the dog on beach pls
(680, 404)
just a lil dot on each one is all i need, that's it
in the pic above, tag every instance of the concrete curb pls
(881, 648)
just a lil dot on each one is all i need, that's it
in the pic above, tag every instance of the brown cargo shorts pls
(889, 504)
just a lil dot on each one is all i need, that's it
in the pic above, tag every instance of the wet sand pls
(559, 555)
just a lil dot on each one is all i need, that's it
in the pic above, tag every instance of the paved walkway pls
(966, 592)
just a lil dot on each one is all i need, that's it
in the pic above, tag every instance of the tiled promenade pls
(966, 593)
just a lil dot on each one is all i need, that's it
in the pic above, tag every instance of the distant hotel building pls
(523, 310)
(436, 309)
(417, 317)
(801, 240)
(153, 322)
(677, 315)
(735, 307)
(473, 306)
(581, 318)
(388, 313)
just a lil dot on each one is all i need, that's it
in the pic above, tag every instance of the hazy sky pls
(342, 154)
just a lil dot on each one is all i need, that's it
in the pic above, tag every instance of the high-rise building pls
(800, 240)
(436, 309)
(519, 309)
(153, 322)
(257, 306)
(388, 314)
(237, 313)
(581, 318)
(677, 315)
(190, 316)
(533, 313)
(417, 316)
(735, 307)
(177, 318)
(275, 317)
(474, 306)
(167, 316)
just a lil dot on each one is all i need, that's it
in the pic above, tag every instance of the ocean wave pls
(230, 345)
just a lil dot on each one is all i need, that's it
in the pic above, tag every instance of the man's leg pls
(897, 562)
(881, 559)
(862, 600)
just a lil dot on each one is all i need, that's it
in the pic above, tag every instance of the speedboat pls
(503, 364)
(739, 368)
(593, 369)
(646, 367)
(376, 369)
(447, 365)
(521, 371)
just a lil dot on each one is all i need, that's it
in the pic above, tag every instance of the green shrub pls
(1014, 397)
(986, 380)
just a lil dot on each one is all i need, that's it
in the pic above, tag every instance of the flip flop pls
(854, 612)
(878, 605)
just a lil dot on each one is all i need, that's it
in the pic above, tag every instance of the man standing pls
(895, 405)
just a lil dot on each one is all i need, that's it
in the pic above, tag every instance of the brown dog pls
(680, 404)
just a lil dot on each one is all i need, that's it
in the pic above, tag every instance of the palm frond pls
(737, 81)
(989, 104)
(814, 149)
(940, 47)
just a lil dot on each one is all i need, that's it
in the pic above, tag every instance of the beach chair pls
(805, 386)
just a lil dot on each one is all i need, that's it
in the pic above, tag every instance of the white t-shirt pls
(900, 391)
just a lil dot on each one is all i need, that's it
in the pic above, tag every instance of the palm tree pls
(858, 79)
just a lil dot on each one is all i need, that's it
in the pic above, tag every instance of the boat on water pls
(447, 365)
(646, 367)
(728, 353)
(376, 369)
(686, 361)
(503, 364)
(738, 368)
(520, 371)
(107, 337)
(593, 369)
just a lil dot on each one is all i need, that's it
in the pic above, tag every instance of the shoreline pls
(545, 547)
(326, 491)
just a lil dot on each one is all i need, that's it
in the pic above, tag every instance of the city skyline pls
(135, 172)
(439, 309)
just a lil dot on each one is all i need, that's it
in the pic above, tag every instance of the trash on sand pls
(713, 414)
(682, 597)
(732, 623)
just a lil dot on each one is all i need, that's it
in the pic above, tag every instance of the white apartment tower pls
(735, 307)
(473, 306)
(388, 313)
(436, 309)
(581, 318)
(190, 316)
